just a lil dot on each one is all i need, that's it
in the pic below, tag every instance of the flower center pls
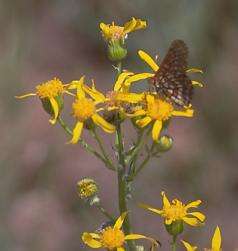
(176, 211)
(86, 188)
(83, 109)
(160, 110)
(112, 238)
(50, 89)
(116, 32)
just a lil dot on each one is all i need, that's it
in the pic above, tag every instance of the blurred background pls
(39, 207)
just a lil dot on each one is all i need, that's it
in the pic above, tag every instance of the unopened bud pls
(116, 52)
(165, 143)
(175, 228)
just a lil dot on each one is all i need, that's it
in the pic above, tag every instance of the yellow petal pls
(130, 26)
(152, 209)
(26, 95)
(120, 249)
(120, 221)
(150, 99)
(143, 122)
(96, 95)
(136, 113)
(140, 24)
(149, 60)
(120, 80)
(88, 238)
(166, 202)
(188, 246)
(78, 84)
(55, 107)
(137, 77)
(197, 84)
(100, 121)
(198, 215)
(187, 113)
(216, 240)
(140, 236)
(77, 132)
(194, 70)
(156, 129)
(168, 221)
(192, 221)
(130, 97)
(193, 204)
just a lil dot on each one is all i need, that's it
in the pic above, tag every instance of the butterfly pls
(171, 81)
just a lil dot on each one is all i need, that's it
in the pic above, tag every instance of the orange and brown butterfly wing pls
(171, 81)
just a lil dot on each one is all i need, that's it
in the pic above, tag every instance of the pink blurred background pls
(39, 208)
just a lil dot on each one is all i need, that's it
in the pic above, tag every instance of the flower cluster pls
(149, 112)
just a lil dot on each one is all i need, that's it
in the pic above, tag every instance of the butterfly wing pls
(171, 81)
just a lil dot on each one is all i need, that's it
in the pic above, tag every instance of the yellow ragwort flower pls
(155, 67)
(50, 91)
(112, 238)
(112, 32)
(86, 188)
(158, 111)
(85, 108)
(120, 94)
(177, 211)
(216, 242)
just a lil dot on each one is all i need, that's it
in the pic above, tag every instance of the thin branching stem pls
(85, 145)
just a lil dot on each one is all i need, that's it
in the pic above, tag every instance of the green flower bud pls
(48, 107)
(175, 228)
(165, 143)
(115, 51)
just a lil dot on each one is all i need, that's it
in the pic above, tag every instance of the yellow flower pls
(158, 111)
(112, 238)
(50, 91)
(155, 67)
(85, 108)
(112, 32)
(177, 211)
(86, 188)
(216, 242)
(115, 99)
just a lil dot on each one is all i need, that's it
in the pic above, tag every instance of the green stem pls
(98, 139)
(122, 185)
(121, 173)
(86, 146)
(173, 244)
(102, 209)
(146, 160)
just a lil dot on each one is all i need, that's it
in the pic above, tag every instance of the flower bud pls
(165, 143)
(87, 188)
(175, 228)
(115, 51)
(48, 107)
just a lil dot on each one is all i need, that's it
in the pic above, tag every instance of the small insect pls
(171, 81)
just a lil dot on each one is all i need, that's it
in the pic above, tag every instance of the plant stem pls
(98, 139)
(121, 171)
(145, 161)
(102, 209)
(86, 146)
(173, 245)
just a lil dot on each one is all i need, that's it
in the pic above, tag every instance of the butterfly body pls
(171, 81)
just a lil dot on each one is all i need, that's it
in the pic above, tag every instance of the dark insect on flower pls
(171, 81)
